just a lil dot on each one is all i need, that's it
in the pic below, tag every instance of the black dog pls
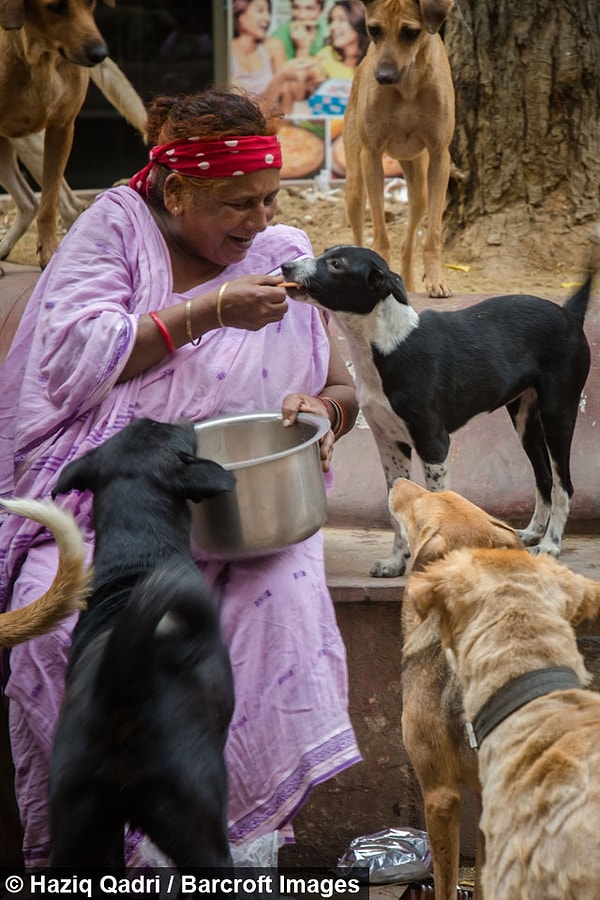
(149, 690)
(421, 377)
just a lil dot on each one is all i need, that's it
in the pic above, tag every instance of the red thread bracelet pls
(164, 331)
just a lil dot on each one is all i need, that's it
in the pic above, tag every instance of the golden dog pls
(402, 103)
(45, 56)
(433, 730)
(508, 618)
(71, 582)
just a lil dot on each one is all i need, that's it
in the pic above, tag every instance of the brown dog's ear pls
(434, 13)
(110, 3)
(424, 591)
(504, 535)
(432, 545)
(12, 14)
(581, 593)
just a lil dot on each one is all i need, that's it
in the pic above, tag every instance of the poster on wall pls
(300, 56)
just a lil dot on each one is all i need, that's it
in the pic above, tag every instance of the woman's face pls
(222, 228)
(255, 20)
(341, 31)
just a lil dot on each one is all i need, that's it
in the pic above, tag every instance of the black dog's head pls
(345, 279)
(160, 453)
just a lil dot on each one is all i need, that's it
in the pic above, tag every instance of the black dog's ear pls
(201, 478)
(79, 475)
(385, 282)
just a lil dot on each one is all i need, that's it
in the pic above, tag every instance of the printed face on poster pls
(300, 57)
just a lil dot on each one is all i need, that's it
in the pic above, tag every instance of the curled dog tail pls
(169, 623)
(70, 586)
(578, 303)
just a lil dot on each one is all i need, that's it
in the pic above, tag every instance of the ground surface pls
(472, 266)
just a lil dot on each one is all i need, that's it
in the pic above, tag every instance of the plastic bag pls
(396, 855)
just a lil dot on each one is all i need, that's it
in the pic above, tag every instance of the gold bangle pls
(219, 302)
(188, 325)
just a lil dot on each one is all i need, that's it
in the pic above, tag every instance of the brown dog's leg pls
(415, 173)
(355, 198)
(57, 147)
(372, 167)
(437, 184)
(24, 198)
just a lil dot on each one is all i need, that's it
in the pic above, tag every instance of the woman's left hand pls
(295, 403)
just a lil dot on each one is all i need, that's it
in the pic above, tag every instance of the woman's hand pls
(295, 403)
(251, 302)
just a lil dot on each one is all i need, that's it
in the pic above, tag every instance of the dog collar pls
(515, 694)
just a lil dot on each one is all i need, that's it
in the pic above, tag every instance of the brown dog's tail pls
(117, 88)
(71, 582)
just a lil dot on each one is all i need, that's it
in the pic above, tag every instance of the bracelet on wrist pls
(188, 325)
(339, 422)
(164, 331)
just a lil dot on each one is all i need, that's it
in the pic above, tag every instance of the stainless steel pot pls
(279, 497)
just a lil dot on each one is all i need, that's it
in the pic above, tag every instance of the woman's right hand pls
(251, 302)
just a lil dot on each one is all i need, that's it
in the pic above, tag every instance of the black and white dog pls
(149, 690)
(420, 377)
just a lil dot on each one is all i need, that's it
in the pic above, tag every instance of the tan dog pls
(433, 729)
(402, 103)
(45, 57)
(508, 618)
(109, 78)
(71, 582)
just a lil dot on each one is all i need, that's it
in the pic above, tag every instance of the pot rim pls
(320, 423)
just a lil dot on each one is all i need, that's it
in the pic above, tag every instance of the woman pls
(347, 42)
(258, 63)
(155, 304)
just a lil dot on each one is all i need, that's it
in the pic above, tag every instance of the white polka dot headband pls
(222, 158)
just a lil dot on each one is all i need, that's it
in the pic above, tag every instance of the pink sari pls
(59, 398)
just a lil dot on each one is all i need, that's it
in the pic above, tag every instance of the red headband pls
(212, 159)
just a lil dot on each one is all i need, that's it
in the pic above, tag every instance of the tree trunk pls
(527, 139)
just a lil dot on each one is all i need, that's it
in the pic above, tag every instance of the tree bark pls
(527, 139)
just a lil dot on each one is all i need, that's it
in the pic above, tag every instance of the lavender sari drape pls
(59, 398)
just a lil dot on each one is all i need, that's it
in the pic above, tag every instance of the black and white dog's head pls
(345, 279)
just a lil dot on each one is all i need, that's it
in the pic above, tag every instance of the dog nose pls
(96, 53)
(387, 73)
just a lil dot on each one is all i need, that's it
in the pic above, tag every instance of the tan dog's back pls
(504, 613)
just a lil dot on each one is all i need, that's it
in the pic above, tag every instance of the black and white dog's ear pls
(385, 282)
(79, 475)
(200, 478)
(398, 289)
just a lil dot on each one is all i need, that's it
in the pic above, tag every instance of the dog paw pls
(548, 548)
(439, 289)
(391, 567)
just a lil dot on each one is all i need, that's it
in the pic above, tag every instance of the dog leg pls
(438, 173)
(57, 147)
(396, 461)
(30, 150)
(372, 167)
(355, 200)
(415, 173)
(524, 412)
(22, 195)
(437, 476)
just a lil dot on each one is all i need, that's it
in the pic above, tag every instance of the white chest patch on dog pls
(393, 323)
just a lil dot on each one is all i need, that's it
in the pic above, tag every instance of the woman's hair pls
(238, 9)
(208, 115)
(355, 11)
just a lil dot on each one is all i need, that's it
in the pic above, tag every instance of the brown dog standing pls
(402, 103)
(46, 51)
(433, 730)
